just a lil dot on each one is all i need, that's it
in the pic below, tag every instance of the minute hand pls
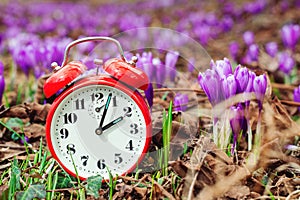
(105, 110)
(110, 124)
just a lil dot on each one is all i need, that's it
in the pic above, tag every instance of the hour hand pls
(110, 124)
(99, 130)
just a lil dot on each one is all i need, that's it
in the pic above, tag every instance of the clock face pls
(97, 129)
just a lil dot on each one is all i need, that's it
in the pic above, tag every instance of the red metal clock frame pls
(107, 81)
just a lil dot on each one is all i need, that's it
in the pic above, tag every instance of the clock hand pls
(99, 129)
(110, 124)
(98, 109)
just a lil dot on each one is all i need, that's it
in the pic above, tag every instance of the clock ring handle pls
(88, 39)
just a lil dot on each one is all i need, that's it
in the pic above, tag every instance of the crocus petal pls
(260, 87)
(229, 86)
(211, 84)
(271, 48)
(242, 78)
(286, 62)
(170, 62)
(234, 49)
(149, 94)
(160, 72)
(2, 81)
(297, 95)
(248, 37)
(290, 35)
(253, 52)
(180, 102)
(222, 67)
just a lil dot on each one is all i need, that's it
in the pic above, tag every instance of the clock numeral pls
(118, 158)
(79, 104)
(101, 164)
(84, 160)
(114, 101)
(70, 118)
(129, 146)
(97, 96)
(64, 133)
(71, 149)
(134, 128)
(127, 111)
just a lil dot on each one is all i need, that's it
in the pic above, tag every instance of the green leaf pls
(15, 122)
(16, 173)
(64, 181)
(33, 191)
(93, 185)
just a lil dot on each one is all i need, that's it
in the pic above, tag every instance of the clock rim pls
(107, 81)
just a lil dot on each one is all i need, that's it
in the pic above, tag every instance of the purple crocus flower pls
(248, 37)
(260, 87)
(210, 83)
(253, 52)
(229, 85)
(242, 78)
(149, 94)
(251, 77)
(2, 81)
(145, 61)
(238, 123)
(180, 102)
(170, 63)
(286, 62)
(222, 67)
(255, 7)
(297, 95)
(191, 64)
(290, 35)
(234, 49)
(272, 48)
(160, 72)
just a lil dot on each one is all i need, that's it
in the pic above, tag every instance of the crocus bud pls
(271, 48)
(242, 78)
(286, 62)
(297, 95)
(149, 95)
(171, 59)
(2, 81)
(180, 102)
(222, 67)
(290, 35)
(191, 64)
(160, 71)
(248, 37)
(260, 87)
(234, 49)
(253, 52)
(146, 62)
(251, 78)
(229, 86)
(238, 122)
(210, 83)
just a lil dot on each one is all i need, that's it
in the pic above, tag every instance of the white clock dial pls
(79, 139)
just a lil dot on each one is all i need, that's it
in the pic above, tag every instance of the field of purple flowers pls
(235, 130)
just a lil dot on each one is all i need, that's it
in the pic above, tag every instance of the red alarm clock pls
(99, 124)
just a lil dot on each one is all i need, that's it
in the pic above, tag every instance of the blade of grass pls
(167, 129)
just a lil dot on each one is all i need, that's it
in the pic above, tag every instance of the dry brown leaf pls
(34, 130)
(39, 94)
(34, 111)
(212, 173)
(278, 130)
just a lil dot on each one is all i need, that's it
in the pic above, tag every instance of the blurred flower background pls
(253, 47)
(35, 33)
